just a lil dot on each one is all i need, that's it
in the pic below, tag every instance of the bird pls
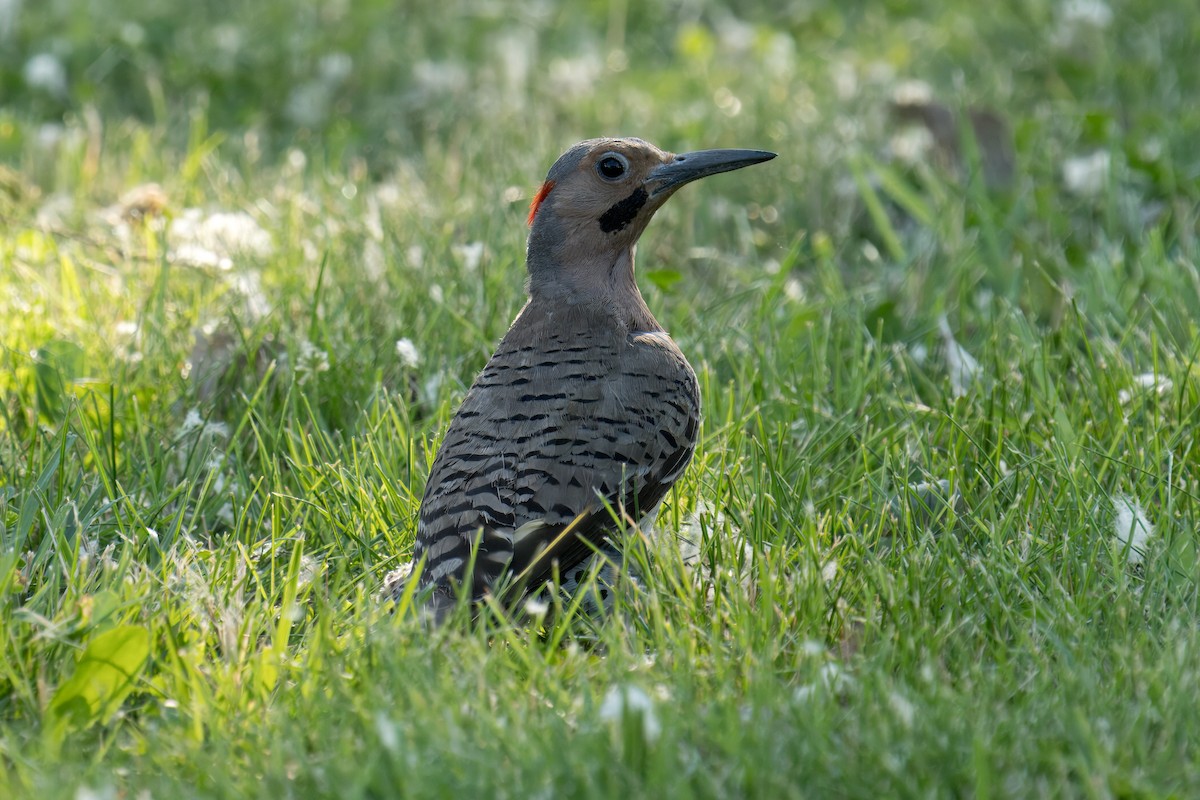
(587, 413)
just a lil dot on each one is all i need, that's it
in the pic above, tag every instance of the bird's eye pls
(612, 166)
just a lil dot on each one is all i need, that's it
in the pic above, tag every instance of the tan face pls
(606, 192)
(599, 196)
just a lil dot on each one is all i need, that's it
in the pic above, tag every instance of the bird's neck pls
(604, 280)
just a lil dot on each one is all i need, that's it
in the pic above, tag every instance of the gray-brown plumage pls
(586, 407)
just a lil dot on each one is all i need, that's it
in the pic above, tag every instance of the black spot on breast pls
(621, 214)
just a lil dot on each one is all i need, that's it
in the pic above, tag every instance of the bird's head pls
(599, 196)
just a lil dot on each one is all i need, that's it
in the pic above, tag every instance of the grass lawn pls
(940, 535)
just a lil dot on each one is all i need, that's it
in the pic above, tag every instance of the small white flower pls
(470, 254)
(308, 104)
(441, 77)
(374, 261)
(414, 256)
(335, 67)
(831, 679)
(629, 702)
(964, 370)
(1087, 12)
(812, 648)
(236, 233)
(575, 76)
(311, 360)
(537, 609)
(735, 35)
(1146, 381)
(387, 732)
(793, 290)
(1087, 176)
(211, 241)
(88, 793)
(132, 34)
(193, 255)
(912, 93)
(903, 708)
(49, 135)
(249, 286)
(194, 423)
(45, 72)
(228, 38)
(407, 352)
(1131, 528)
(911, 145)
(845, 79)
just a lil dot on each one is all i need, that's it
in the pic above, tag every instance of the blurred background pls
(1078, 95)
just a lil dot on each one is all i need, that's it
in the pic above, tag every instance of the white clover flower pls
(845, 79)
(1131, 528)
(441, 77)
(249, 286)
(387, 732)
(1147, 381)
(309, 568)
(236, 233)
(194, 423)
(311, 360)
(335, 67)
(831, 679)
(470, 254)
(308, 104)
(45, 72)
(812, 648)
(912, 93)
(132, 34)
(212, 241)
(88, 793)
(193, 255)
(49, 135)
(829, 570)
(793, 290)
(1087, 176)
(630, 702)
(962, 367)
(537, 609)
(911, 145)
(903, 708)
(374, 261)
(575, 76)
(1087, 12)
(228, 38)
(407, 352)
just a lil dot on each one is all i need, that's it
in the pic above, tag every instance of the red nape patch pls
(537, 200)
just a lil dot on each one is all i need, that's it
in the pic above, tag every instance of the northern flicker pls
(587, 409)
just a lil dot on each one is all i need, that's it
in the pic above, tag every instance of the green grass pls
(207, 468)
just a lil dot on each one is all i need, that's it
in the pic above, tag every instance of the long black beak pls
(687, 167)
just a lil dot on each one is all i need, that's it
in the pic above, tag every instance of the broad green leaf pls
(106, 673)
(664, 279)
